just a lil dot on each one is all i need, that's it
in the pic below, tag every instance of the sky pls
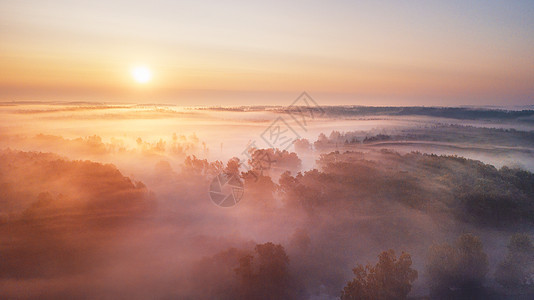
(200, 52)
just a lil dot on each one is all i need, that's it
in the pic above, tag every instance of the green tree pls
(390, 278)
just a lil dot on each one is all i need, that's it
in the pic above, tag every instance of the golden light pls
(141, 74)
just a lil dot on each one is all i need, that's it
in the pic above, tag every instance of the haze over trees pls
(516, 272)
(131, 217)
(458, 271)
(264, 274)
(390, 278)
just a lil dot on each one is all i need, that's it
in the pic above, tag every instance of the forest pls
(375, 225)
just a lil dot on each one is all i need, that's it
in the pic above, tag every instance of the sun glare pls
(141, 74)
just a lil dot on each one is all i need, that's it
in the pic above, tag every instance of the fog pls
(113, 201)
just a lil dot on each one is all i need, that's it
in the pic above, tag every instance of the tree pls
(265, 161)
(321, 142)
(260, 189)
(232, 167)
(302, 146)
(194, 166)
(264, 274)
(457, 271)
(390, 278)
(516, 272)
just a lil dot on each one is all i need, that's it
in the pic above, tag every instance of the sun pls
(141, 74)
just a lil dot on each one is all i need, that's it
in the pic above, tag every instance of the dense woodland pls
(377, 225)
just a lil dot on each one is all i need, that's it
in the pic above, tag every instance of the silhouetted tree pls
(260, 189)
(516, 272)
(302, 146)
(459, 271)
(232, 166)
(390, 278)
(194, 166)
(265, 274)
(321, 142)
(266, 161)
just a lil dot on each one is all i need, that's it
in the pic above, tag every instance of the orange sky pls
(256, 53)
